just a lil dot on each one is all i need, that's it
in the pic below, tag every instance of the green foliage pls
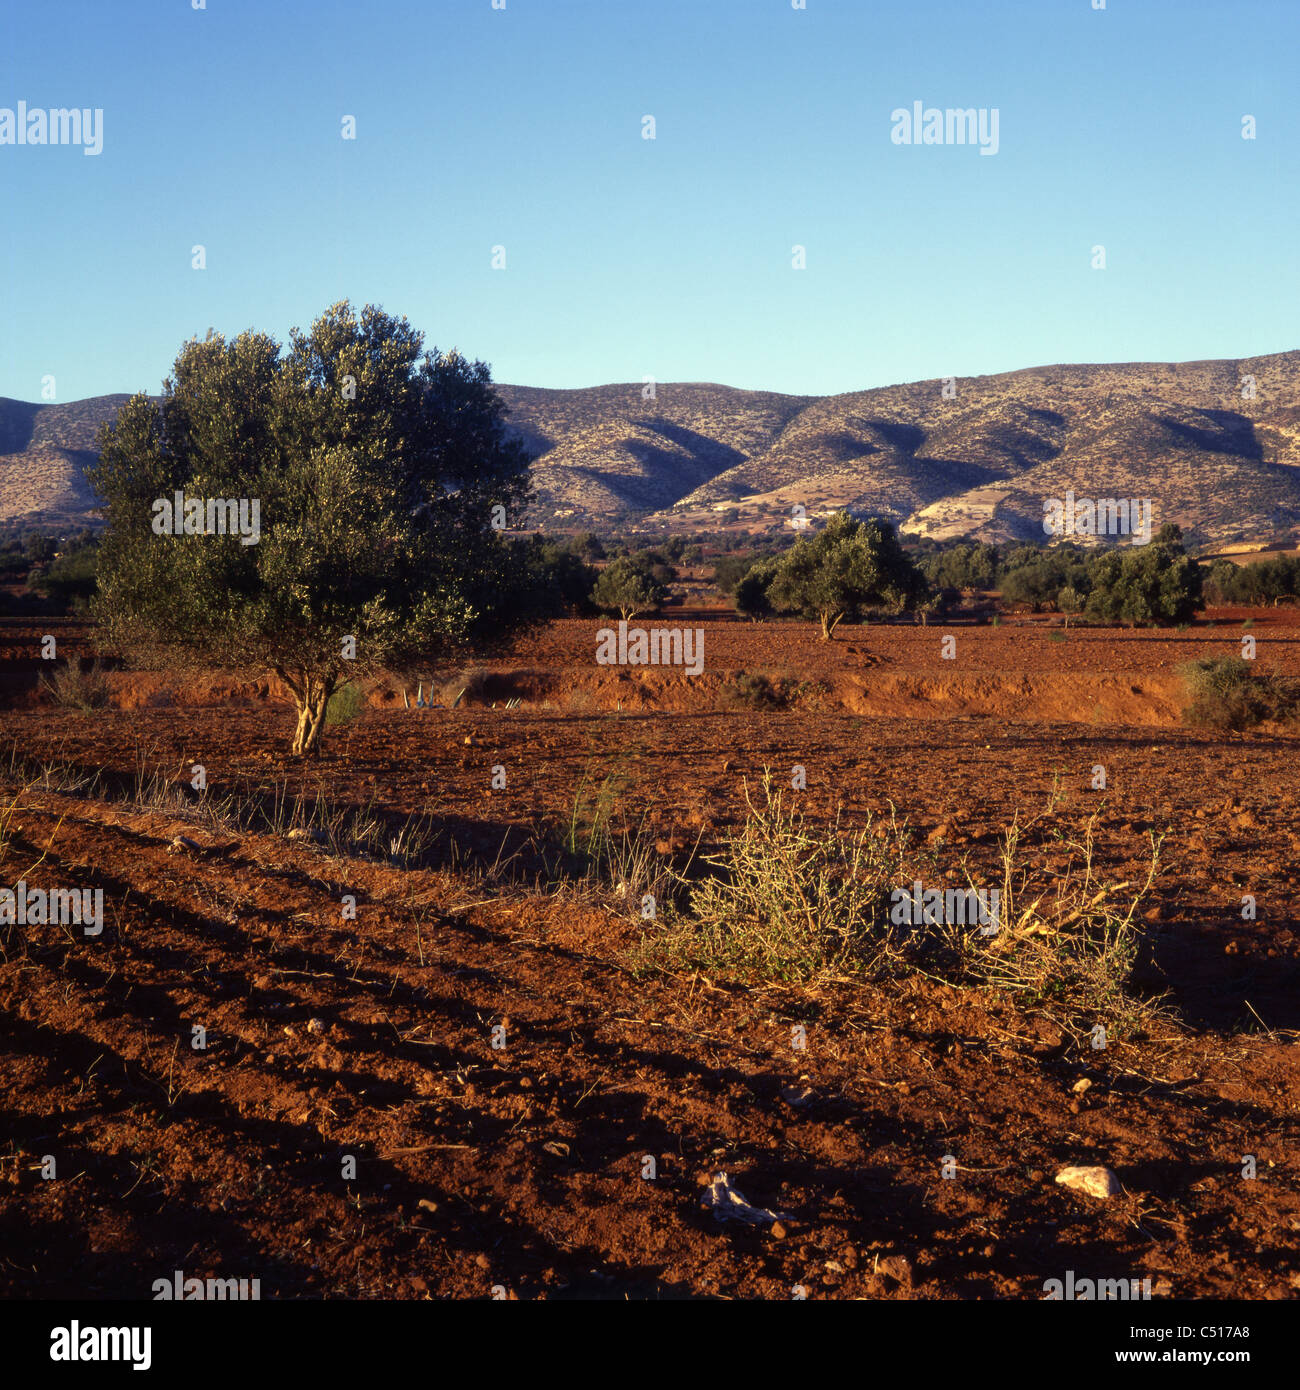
(628, 586)
(344, 705)
(657, 562)
(847, 569)
(13, 560)
(961, 567)
(1034, 576)
(376, 468)
(750, 594)
(1155, 583)
(729, 570)
(559, 580)
(1262, 584)
(39, 548)
(587, 546)
(71, 579)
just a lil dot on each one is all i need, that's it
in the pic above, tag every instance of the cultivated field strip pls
(529, 1158)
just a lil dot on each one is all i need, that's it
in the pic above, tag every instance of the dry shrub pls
(73, 688)
(1064, 936)
(789, 900)
(800, 903)
(758, 691)
(1226, 693)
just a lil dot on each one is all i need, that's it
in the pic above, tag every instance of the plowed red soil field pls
(468, 1088)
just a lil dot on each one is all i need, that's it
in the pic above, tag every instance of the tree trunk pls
(829, 624)
(311, 696)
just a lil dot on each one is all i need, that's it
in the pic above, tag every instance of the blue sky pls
(669, 258)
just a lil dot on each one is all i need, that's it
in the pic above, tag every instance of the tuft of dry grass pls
(73, 688)
(1226, 693)
(789, 900)
(805, 903)
(1065, 935)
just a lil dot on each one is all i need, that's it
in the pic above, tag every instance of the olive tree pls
(845, 570)
(372, 482)
(628, 586)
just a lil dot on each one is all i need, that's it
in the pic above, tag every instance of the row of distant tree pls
(60, 571)
(849, 571)
(854, 569)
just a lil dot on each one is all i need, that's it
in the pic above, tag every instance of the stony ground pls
(571, 1159)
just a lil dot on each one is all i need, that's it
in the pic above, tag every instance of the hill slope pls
(978, 458)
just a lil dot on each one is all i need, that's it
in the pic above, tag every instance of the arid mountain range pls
(1215, 445)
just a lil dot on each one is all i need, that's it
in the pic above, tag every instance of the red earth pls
(523, 1167)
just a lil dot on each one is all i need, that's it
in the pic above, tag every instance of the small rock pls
(1095, 1181)
(426, 1204)
(778, 1233)
(317, 837)
(182, 844)
(315, 1025)
(559, 1150)
(897, 1267)
(482, 1261)
(1081, 1085)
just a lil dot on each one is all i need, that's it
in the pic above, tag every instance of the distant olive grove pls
(854, 570)
(850, 571)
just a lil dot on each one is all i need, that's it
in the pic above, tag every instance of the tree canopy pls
(628, 586)
(382, 476)
(847, 569)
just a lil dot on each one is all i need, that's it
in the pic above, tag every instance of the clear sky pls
(625, 257)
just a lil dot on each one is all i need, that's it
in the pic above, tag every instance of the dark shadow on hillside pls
(17, 423)
(1229, 433)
